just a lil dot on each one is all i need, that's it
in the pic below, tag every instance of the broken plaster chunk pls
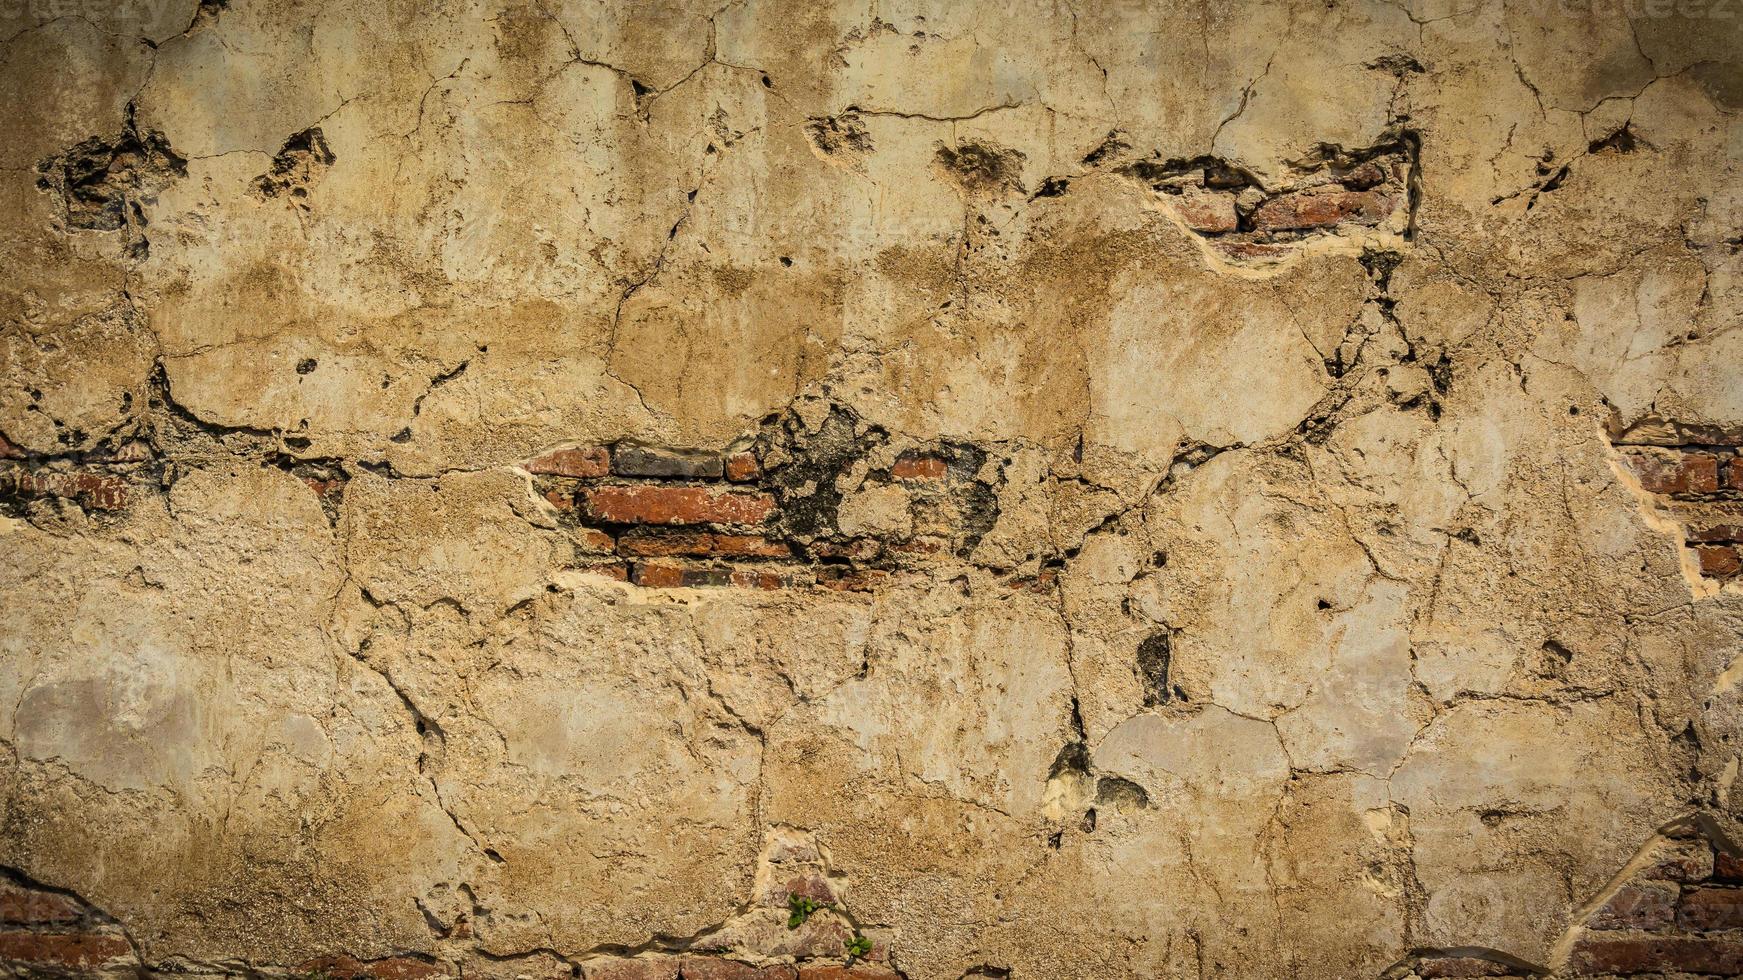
(876, 511)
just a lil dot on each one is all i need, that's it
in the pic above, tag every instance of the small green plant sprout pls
(800, 908)
(857, 947)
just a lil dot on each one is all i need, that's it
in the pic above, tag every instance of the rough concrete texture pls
(1077, 489)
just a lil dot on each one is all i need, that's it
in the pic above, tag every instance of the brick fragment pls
(8, 450)
(1250, 250)
(1211, 212)
(743, 467)
(654, 544)
(1670, 471)
(591, 540)
(919, 466)
(75, 950)
(719, 968)
(610, 569)
(677, 505)
(637, 459)
(578, 462)
(1683, 860)
(24, 906)
(1656, 954)
(656, 575)
(560, 499)
(1716, 532)
(1727, 867)
(1322, 209)
(1643, 905)
(1711, 908)
(1460, 967)
(1363, 176)
(707, 578)
(95, 491)
(1719, 560)
(631, 968)
(1734, 473)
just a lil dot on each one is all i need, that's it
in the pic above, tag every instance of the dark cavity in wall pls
(300, 163)
(104, 184)
(1154, 656)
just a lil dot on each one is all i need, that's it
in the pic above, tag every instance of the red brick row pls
(1684, 471)
(95, 491)
(39, 952)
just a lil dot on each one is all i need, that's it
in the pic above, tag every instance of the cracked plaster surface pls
(1362, 486)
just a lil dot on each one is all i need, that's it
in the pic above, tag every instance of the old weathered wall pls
(1077, 489)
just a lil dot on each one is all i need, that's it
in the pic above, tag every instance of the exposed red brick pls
(1321, 209)
(677, 505)
(1363, 176)
(610, 569)
(717, 968)
(595, 541)
(1637, 906)
(561, 499)
(28, 906)
(1250, 250)
(391, 968)
(1656, 954)
(1716, 532)
(835, 971)
(1734, 473)
(743, 467)
(919, 466)
(324, 488)
(96, 491)
(8, 450)
(654, 576)
(655, 544)
(1211, 212)
(1460, 967)
(635, 459)
(1711, 908)
(1719, 560)
(1675, 472)
(66, 950)
(1727, 867)
(580, 461)
(631, 968)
